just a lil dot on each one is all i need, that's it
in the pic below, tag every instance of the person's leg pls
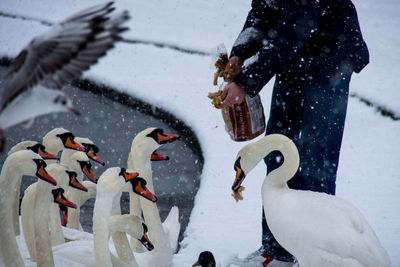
(325, 105)
(316, 125)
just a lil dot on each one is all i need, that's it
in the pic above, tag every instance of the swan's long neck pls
(140, 162)
(43, 201)
(101, 235)
(91, 193)
(74, 195)
(286, 171)
(66, 155)
(51, 148)
(27, 218)
(8, 245)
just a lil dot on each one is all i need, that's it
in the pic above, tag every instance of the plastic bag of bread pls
(243, 121)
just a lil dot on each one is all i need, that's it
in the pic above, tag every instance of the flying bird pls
(58, 56)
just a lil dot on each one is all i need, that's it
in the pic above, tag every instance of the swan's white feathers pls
(317, 228)
(346, 223)
(21, 146)
(17, 164)
(164, 236)
(172, 227)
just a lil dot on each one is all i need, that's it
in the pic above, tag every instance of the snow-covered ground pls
(369, 172)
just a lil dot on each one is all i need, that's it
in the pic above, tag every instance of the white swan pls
(317, 228)
(35, 211)
(63, 52)
(55, 141)
(81, 250)
(109, 188)
(38, 149)
(16, 165)
(80, 164)
(143, 145)
(91, 150)
(80, 197)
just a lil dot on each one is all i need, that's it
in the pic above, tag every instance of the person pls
(311, 47)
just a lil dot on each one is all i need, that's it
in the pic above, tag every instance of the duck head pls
(206, 259)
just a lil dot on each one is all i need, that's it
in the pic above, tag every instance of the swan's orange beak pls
(46, 155)
(146, 242)
(155, 156)
(91, 154)
(240, 175)
(87, 170)
(42, 173)
(64, 219)
(139, 187)
(129, 175)
(59, 198)
(166, 138)
(73, 182)
(72, 144)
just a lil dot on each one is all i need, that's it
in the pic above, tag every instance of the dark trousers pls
(312, 114)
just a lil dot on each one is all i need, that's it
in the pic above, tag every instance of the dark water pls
(112, 127)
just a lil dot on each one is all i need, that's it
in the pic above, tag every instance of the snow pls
(369, 170)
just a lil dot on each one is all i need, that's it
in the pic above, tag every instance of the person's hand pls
(232, 67)
(232, 94)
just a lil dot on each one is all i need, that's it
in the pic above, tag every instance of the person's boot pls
(259, 259)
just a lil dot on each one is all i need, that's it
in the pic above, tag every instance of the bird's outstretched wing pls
(62, 53)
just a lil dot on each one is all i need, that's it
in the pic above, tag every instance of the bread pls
(216, 98)
(237, 194)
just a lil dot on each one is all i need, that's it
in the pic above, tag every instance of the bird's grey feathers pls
(62, 53)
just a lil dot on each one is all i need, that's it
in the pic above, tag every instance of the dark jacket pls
(306, 38)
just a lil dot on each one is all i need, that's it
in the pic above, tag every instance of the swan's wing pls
(327, 223)
(172, 227)
(63, 52)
